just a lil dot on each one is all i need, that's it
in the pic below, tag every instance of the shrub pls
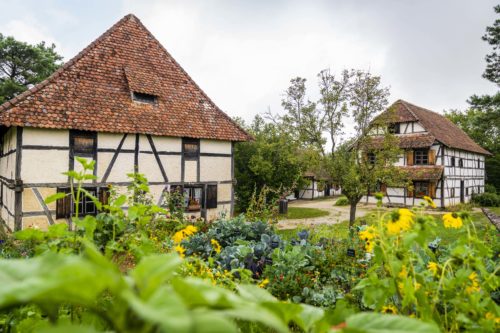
(490, 188)
(342, 201)
(487, 199)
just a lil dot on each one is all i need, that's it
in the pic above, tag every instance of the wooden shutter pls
(383, 188)
(432, 190)
(104, 196)
(432, 157)
(409, 157)
(211, 196)
(63, 206)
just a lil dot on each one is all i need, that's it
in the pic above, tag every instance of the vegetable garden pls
(150, 269)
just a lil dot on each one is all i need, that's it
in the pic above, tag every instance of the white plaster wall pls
(44, 166)
(124, 165)
(224, 192)
(149, 166)
(190, 171)
(215, 146)
(418, 128)
(8, 163)
(172, 166)
(215, 168)
(45, 137)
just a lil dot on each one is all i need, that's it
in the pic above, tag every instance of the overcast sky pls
(243, 53)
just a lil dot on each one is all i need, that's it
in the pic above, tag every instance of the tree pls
(302, 117)
(481, 121)
(334, 98)
(23, 65)
(271, 160)
(492, 36)
(367, 99)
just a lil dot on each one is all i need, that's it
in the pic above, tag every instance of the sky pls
(244, 53)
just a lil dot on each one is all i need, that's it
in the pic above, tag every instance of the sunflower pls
(433, 267)
(452, 220)
(389, 309)
(215, 245)
(179, 249)
(401, 220)
(474, 284)
(264, 283)
(429, 201)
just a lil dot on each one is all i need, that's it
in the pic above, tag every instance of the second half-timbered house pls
(127, 104)
(440, 159)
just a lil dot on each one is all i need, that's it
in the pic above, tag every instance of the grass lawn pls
(494, 210)
(304, 213)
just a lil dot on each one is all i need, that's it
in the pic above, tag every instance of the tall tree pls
(334, 98)
(302, 117)
(366, 100)
(23, 65)
(492, 36)
(271, 160)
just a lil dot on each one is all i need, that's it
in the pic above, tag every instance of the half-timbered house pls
(440, 159)
(126, 103)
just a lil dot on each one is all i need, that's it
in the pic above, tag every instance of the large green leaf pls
(370, 322)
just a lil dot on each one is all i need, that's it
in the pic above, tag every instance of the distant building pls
(126, 103)
(442, 161)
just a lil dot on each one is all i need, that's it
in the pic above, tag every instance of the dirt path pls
(336, 214)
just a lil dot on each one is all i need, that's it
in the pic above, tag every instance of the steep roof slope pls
(437, 125)
(93, 92)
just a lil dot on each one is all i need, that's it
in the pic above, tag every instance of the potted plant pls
(194, 205)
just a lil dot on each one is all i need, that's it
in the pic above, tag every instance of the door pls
(462, 190)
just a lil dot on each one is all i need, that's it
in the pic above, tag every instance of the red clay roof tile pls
(92, 92)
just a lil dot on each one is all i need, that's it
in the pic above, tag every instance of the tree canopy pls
(23, 65)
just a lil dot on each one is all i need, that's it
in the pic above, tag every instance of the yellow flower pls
(216, 246)
(452, 220)
(180, 250)
(401, 220)
(429, 201)
(474, 286)
(369, 246)
(404, 273)
(490, 316)
(179, 236)
(264, 283)
(390, 309)
(367, 234)
(433, 267)
(190, 229)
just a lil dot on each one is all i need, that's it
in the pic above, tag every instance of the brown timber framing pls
(18, 183)
(157, 157)
(113, 159)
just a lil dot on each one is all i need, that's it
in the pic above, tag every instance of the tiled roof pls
(92, 92)
(435, 124)
(423, 172)
(407, 140)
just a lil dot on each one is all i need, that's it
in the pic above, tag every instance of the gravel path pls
(336, 214)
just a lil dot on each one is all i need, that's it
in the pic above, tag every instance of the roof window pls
(143, 98)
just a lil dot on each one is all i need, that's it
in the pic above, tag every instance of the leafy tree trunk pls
(352, 214)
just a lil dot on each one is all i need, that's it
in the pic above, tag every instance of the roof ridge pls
(12, 102)
(191, 79)
(408, 108)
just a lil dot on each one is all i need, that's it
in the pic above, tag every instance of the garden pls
(151, 269)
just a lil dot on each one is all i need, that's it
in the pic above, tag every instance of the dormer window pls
(144, 98)
(393, 128)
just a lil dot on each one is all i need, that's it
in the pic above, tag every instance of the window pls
(394, 128)
(421, 189)
(211, 196)
(191, 148)
(143, 98)
(478, 163)
(371, 158)
(452, 192)
(461, 163)
(453, 161)
(83, 143)
(421, 156)
(65, 207)
(193, 198)
(467, 191)
(478, 189)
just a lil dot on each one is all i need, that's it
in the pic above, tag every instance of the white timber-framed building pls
(440, 159)
(126, 103)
